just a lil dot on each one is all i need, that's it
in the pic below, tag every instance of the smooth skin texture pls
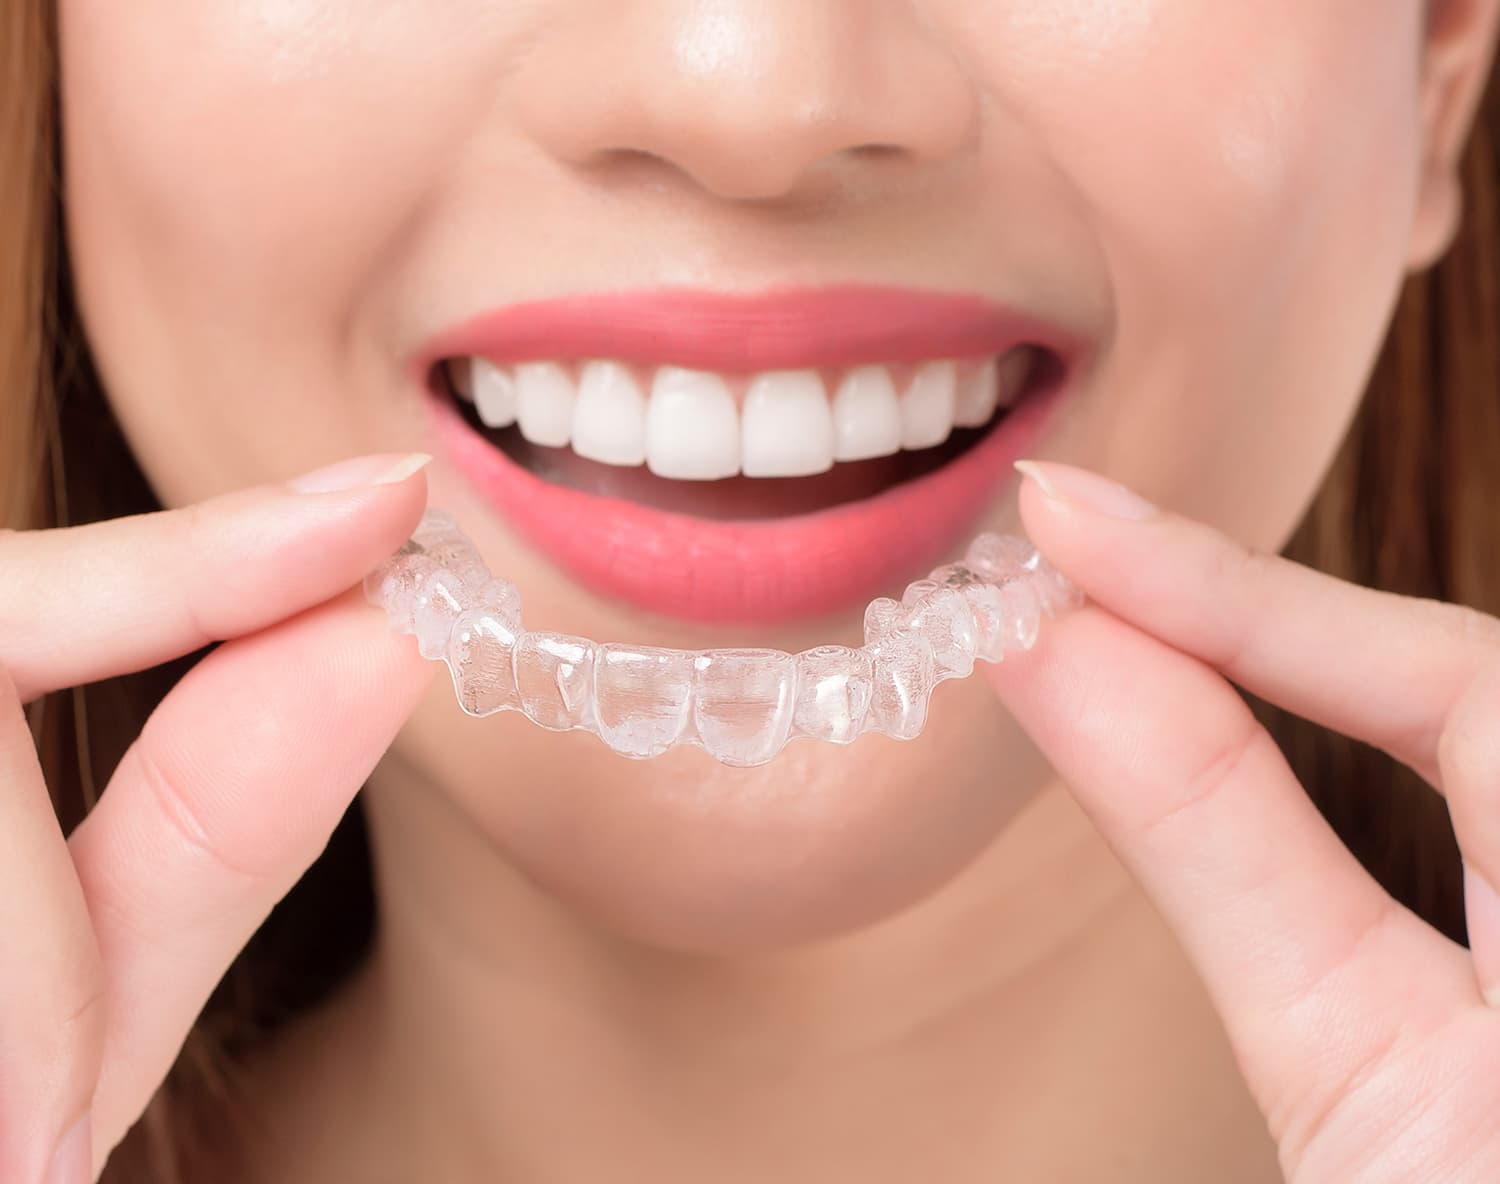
(852, 963)
(115, 937)
(307, 192)
(1369, 1039)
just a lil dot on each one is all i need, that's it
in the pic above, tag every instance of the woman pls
(1086, 926)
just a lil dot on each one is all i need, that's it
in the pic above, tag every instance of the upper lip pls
(776, 329)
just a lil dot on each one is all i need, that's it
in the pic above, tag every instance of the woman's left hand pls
(1370, 1041)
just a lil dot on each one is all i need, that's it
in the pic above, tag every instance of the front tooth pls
(976, 398)
(642, 697)
(692, 426)
(743, 702)
(787, 426)
(494, 394)
(927, 406)
(1014, 370)
(609, 417)
(544, 403)
(866, 415)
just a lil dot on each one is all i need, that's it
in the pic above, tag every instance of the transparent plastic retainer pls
(740, 705)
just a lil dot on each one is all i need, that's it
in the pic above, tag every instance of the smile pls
(744, 459)
(697, 425)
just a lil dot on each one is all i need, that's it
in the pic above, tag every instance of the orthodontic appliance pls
(741, 706)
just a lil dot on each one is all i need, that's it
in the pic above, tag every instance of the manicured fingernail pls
(382, 469)
(73, 1161)
(1073, 486)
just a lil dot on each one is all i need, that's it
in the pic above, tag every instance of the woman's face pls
(279, 212)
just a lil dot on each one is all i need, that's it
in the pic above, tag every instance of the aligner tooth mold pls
(739, 705)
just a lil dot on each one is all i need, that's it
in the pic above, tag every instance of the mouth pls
(734, 446)
(747, 460)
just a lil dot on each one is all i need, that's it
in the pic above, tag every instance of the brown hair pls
(1409, 505)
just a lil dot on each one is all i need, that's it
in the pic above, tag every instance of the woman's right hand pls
(111, 940)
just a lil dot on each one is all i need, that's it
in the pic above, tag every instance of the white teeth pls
(609, 417)
(975, 402)
(494, 394)
(692, 426)
(689, 425)
(1014, 370)
(787, 426)
(927, 406)
(544, 403)
(866, 415)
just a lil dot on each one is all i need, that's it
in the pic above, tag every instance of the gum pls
(741, 706)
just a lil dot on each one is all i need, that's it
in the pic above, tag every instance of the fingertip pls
(1069, 487)
(403, 488)
(360, 472)
(1040, 507)
(406, 495)
(1082, 522)
(1033, 474)
(375, 501)
(302, 548)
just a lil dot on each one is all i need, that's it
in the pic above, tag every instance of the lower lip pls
(758, 572)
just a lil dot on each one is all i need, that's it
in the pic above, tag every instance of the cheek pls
(235, 175)
(1249, 172)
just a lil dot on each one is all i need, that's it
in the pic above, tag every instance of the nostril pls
(748, 103)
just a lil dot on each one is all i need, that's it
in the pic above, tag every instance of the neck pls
(494, 1034)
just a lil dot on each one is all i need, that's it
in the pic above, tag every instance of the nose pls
(749, 99)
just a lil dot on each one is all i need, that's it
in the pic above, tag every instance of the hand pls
(111, 941)
(1370, 1041)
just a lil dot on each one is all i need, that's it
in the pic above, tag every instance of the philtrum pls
(739, 705)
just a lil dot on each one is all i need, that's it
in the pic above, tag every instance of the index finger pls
(1379, 667)
(89, 602)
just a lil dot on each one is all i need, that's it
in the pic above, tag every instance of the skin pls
(874, 954)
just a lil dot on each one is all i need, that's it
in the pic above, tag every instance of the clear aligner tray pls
(740, 705)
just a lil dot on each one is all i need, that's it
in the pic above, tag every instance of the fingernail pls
(381, 469)
(73, 1161)
(1073, 486)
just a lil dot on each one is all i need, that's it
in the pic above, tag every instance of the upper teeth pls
(688, 423)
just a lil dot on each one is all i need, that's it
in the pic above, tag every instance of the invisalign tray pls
(741, 706)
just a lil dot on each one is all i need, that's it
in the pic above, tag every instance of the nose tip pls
(749, 101)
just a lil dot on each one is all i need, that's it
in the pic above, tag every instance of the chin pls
(683, 853)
